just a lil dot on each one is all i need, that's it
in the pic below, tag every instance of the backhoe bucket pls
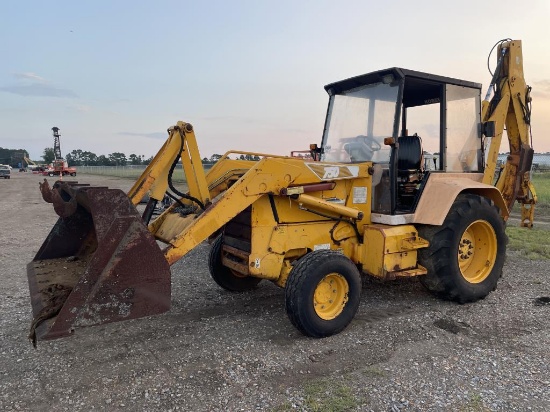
(99, 263)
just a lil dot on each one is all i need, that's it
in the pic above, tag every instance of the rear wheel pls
(322, 293)
(224, 276)
(51, 174)
(73, 174)
(467, 252)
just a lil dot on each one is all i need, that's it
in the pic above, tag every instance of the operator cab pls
(430, 124)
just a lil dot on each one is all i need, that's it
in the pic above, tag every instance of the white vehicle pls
(5, 171)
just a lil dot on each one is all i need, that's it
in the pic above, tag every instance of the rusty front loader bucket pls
(99, 263)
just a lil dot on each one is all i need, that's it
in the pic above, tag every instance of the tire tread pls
(298, 282)
(441, 279)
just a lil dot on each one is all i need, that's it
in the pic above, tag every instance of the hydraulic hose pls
(170, 173)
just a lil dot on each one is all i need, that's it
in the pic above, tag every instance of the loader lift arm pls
(184, 231)
(101, 262)
(510, 110)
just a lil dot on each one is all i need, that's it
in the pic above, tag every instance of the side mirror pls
(315, 151)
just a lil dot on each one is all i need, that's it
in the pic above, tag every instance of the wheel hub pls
(330, 296)
(477, 251)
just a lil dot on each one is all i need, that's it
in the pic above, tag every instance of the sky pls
(249, 75)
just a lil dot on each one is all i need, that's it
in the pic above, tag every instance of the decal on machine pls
(333, 172)
(257, 263)
(322, 246)
(360, 195)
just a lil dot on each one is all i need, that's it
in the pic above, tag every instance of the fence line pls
(541, 163)
(118, 171)
(130, 171)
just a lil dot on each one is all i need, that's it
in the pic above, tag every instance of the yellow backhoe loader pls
(363, 202)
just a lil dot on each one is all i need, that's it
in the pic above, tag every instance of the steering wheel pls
(370, 142)
(361, 148)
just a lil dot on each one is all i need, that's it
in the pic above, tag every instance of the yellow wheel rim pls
(477, 251)
(331, 295)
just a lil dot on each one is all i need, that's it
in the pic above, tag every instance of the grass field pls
(534, 243)
(531, 243)
(541, 181)
(126, 172)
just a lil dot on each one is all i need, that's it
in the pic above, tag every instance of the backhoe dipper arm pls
(510, 108)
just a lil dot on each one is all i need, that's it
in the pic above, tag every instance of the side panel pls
(390, 251)
(297, 230)
(441, 191)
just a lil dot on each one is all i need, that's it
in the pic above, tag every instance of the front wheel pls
(51, 174)
(73, 174)
(224, 276)
(322, 293)
(467, 252)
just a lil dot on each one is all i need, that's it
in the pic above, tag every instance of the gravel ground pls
(218, 351)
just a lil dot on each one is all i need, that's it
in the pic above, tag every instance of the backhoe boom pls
(510, 108)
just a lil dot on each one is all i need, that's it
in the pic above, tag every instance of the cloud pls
(31, 84)
(30, 76)
(41, 90)
(154, 135)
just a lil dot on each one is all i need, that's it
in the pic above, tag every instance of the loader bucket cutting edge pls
(99, 264)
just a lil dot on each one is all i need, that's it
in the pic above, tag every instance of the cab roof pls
(398, 74)
(420, 88)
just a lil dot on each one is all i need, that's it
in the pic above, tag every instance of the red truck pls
(59, 167)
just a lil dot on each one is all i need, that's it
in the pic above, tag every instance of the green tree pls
(215, 157)
(89, 159)
(102, 160)
(76, 157)
(118, 159)
(248, 157)
(48, 155)
(70, 160)
(4, 156)
(134, 159)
